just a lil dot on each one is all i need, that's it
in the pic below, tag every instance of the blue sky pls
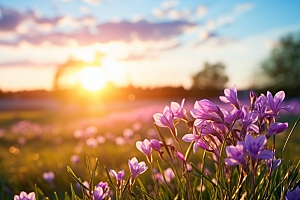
(146, 43)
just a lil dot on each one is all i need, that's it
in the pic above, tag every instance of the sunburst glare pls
(92, 78)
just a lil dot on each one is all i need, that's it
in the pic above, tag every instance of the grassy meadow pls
(34, 142)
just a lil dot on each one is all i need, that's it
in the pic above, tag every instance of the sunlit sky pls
(146, 43)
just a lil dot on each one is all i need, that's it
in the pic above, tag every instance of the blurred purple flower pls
(155, 144)
(178, 110)
(180, 156)
(118, 176)
(169, 174)
(91, 142)
(101, 191)
(254, 147)
(236, 154)
(145, 147)
(206, 110)
(276, 127)
(165, 120)
(48, 176)
(75, 159)
(136, 168)
(25, 196)
(293, 195)
(231, 97)
(275, 103)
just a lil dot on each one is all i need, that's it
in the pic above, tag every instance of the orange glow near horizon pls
(92, 78)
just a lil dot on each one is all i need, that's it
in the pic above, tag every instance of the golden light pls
(92, 78)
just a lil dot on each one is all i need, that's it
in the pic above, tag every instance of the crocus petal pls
(265, 154)
(113, 173)
(276, 128)
(157, 118)
(138, 145)
(188, 137)
(231, 161)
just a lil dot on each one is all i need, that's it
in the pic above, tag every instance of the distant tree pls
(211, 77)
(282, 67)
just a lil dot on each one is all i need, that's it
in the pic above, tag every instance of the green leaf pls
(127, 182)
(201, 174)
(189, 150)
(239, 187)
(109, 179)
(76, 178)
(74, 197)
(91, 184)
(287, 139)
(67, 196)
(163, 175)
(162, 139)
(145, 193)
(56, 197)
(36, 192)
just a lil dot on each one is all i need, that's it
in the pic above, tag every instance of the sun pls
(92, 78)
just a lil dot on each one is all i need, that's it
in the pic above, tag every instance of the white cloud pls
(240, 8)
(137, 17)
(158, 13)
(169, 4)
(84, 10)
(201, 11)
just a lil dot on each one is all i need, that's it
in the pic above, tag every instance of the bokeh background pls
(84, 77)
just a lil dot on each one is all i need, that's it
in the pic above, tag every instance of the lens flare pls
(92, 78)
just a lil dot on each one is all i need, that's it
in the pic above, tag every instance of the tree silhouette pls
(282, 68)
(211, 77)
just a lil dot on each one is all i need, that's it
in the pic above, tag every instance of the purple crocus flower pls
(178, 110)
(212, 128)
(165, 120)
(254, 147)
(101, 191)
(155, 144)
(48, 176)
(231, 97)
(274, 104)
(145, 147)
(260, 107)
(248, 121)
(276, 163)
(25, 196)
(293, 195)
(180, 156)
(192, 137)
(206, 110)
(276, 127)
(118, 176)
(234, 114)
(236, 154)
(136, 168)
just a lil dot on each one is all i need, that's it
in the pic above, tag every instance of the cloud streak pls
(104, 33)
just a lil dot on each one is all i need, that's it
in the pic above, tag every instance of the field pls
(35, 142)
